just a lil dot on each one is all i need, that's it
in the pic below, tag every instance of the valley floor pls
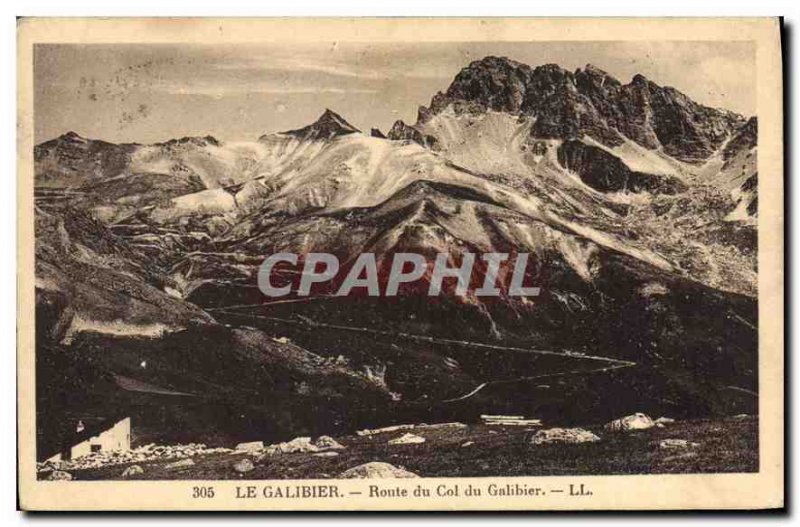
(724, 445)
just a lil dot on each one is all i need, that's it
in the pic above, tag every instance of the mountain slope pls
(106, 313)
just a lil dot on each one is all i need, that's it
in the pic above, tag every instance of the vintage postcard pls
(400, 264)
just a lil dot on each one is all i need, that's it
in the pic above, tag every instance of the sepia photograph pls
(492, 261)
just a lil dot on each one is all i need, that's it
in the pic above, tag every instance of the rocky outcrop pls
(377, 470)
(563, 435)
(402, 132)
(605, 172)
(138, 455)
(376, 132)
(183, 463)
(745, 139)
(750, 186)
(677, 444)
(654, 116)
(252, 446)
(193, 141)
(59, 475)
(637, 421)
(132, 470)
(407, 439)
(243, 466)
(298, 444)
(328, 443)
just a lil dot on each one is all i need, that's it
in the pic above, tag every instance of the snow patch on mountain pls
(206, 202)
(641, 159)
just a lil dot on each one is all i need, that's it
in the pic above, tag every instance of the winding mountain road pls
(613, 364)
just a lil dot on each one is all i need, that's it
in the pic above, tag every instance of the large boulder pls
(53, 465)
(563, 435)
(328, 443)
(407, 439)
(637, 421)
(677, 444)
(60, 475)
(662, 422)
(243, 465)
(376, 470)
(183, 463)
(132, 471)
(298, 444)
(252, 446)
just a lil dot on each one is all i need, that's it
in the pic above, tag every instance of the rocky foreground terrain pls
(728, 445)
(638, 205)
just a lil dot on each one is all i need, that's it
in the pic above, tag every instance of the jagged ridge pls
(589, 101)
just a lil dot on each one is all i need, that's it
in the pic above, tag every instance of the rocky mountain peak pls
(589, 102)
(594, 70)
(491, 62)
(551, 69)
(331, 117)
(595, 77)
(494, 83)
(71, 139)
(72, 136)
(330, 124)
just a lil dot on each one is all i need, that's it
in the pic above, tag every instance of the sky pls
(149, 93)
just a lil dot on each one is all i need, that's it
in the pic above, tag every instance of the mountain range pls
(638, 205)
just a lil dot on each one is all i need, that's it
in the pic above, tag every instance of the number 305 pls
(202, 492)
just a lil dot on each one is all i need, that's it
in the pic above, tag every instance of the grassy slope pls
(726, 445)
